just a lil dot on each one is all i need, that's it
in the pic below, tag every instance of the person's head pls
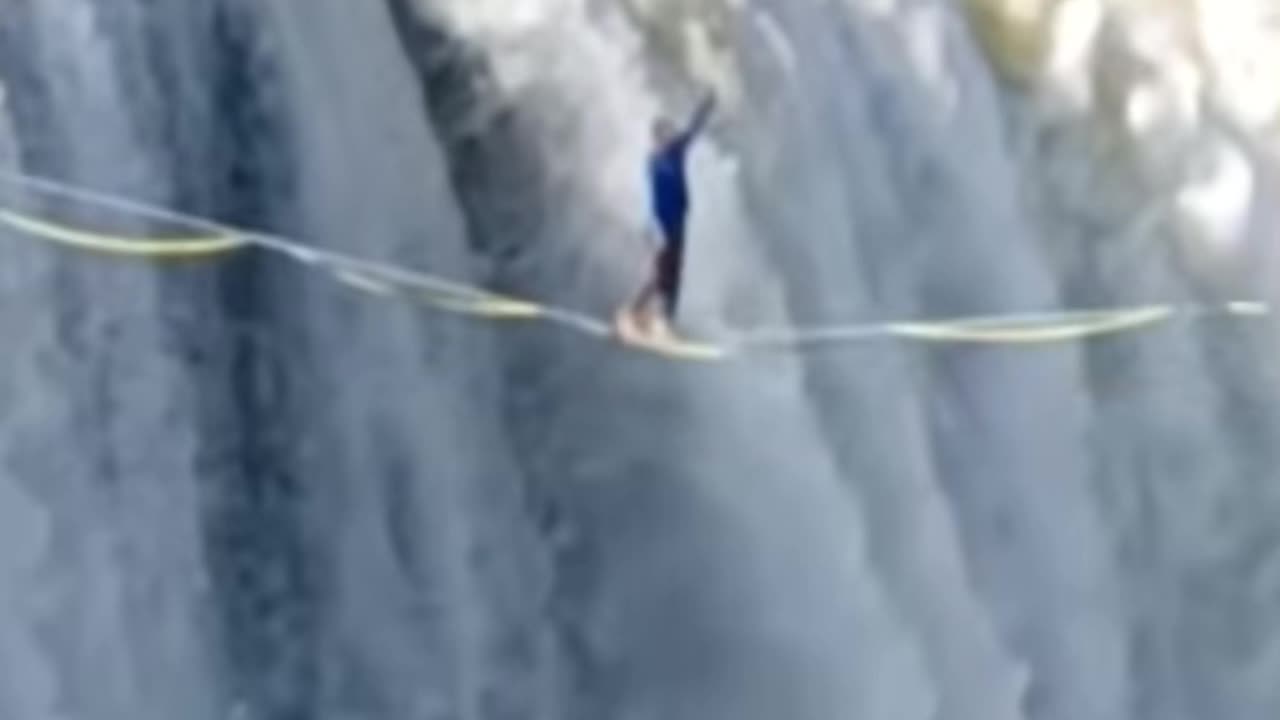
(664, 131)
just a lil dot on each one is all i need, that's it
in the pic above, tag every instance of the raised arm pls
(700, 118)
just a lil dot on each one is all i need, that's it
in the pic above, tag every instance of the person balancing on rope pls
(669, 203)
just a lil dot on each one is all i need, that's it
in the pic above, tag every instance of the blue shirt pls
(668, 188)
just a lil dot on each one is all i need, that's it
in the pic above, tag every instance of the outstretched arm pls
(700, 118)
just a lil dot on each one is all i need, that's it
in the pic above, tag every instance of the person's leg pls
(641, 306)
(654, 292)
(663, 284)
(672, 269)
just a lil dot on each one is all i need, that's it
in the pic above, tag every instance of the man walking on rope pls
(669, 199)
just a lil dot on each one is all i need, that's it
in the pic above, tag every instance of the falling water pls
(237, 490)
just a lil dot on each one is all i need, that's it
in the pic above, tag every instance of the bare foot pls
(624, 322)
(660, 328)
(644, 322)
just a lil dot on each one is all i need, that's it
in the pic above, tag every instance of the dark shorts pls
(668, 266)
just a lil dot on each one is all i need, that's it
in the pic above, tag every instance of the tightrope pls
(379, 279)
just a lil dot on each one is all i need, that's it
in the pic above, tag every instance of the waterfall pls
(237, 490)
